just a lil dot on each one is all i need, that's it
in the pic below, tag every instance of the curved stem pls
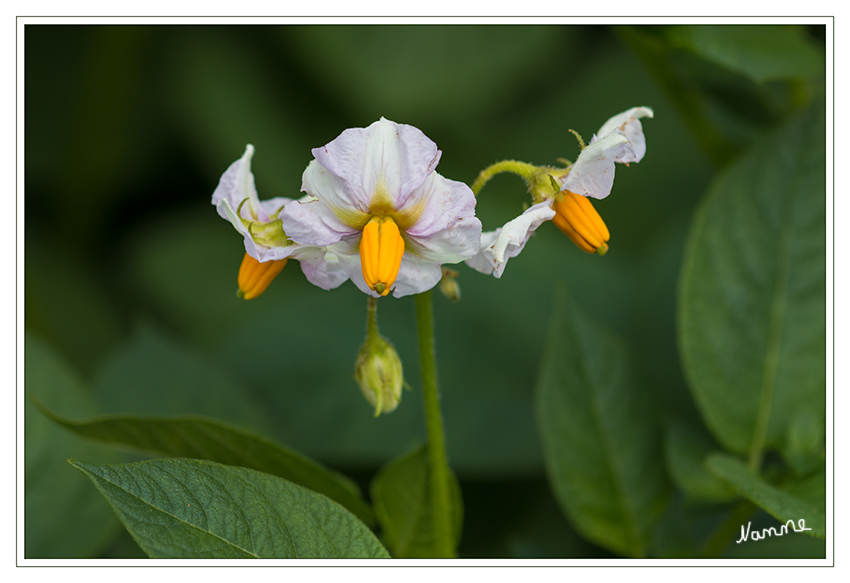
(526, 171)
(439, 470)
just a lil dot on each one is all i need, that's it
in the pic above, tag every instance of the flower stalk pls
(522, 169)
(439, 470)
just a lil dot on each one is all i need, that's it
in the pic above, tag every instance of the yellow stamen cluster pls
(254, 277)
(579, 221)
(381, 250)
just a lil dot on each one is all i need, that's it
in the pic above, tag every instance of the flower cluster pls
(377, 213)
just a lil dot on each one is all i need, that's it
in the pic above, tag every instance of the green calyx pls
(269, 234)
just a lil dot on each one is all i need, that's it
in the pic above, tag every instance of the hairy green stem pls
(526, 171)
(439, 469)
(372, 317)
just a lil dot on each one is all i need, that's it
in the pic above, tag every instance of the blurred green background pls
(131, 274)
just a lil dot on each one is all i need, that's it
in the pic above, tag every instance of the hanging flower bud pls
(378, 368)
(379, 374)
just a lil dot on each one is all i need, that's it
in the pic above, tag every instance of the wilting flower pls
(390, 218)
(620, 139)
(267, 247)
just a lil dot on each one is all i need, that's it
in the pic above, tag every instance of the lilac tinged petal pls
(386, 159)
(629, 123)
(237, 184)
(593, 173)
(446, 229)
(262, 253)
(454, 244)
(442, 202)
(415, 276)
(352, 267)
(320, 183)
(271, 208)
(313, 223)
(321, 266)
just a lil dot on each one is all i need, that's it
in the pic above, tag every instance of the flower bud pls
(449, 286)
(379, 374)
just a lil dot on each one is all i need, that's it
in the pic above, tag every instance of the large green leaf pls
(752, 298)
(600, 434)
(63, 517)
(804, 500)
(178, 508)
(196, 437)
(402, 496)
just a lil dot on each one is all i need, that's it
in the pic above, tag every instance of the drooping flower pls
(392, 220)
(619, 140)
(267, 247)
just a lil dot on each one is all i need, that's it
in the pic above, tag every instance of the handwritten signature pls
(766, 532)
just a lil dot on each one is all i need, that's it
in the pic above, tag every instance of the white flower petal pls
(483, 260)
(237, 184)
(313, 223)
(350, 263)
(593, 173)
(510, 240)
(446, 230)
(415, 276)
(629, 123)
(321, 266)
(386, 159)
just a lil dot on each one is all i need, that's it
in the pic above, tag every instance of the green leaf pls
(196, 437)
(762, 53)
(402, 496)
(752, 297)
(179, 508)
(804, 500)
(600, 434)
(63, 517)
(685, 450)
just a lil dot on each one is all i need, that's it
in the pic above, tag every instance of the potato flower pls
(391, 220)
(620, 140)
(267, 247)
